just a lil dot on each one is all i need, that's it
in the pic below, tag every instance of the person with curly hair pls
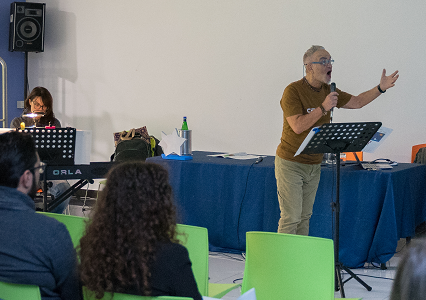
(130, 244)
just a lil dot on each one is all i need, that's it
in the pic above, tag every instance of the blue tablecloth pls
(230, 197)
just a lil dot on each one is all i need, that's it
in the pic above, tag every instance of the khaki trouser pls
(297, 186)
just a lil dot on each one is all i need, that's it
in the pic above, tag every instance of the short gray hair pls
(311, 51)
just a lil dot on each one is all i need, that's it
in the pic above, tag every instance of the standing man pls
(34, 249)
(307, 103)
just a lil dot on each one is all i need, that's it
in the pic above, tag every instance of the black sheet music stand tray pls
(341, 137)
(55, 146)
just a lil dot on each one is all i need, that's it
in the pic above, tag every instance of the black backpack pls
(136, 148)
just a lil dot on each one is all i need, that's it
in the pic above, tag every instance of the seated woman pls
(130, 244)
(40, 102)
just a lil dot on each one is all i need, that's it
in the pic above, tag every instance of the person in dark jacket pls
(34, 249)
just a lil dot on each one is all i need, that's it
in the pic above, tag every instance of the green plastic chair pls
(14, 291)
(75, 225)
(287, 266)
(196, 241)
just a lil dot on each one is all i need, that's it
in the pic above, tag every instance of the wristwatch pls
(324, 112)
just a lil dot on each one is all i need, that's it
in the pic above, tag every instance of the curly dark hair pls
(133, 214)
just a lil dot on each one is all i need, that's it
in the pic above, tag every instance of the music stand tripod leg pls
(44, 194)
(338, 265)
(338, 280)
(336, 210)
(353, 275)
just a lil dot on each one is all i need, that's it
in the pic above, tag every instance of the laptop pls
(378, 164)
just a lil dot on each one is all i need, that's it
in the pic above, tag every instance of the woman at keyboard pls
(40, 103)
(38, 112)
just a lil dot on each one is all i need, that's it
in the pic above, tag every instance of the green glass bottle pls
(184, 124)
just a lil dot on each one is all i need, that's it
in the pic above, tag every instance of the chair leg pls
(83, 208)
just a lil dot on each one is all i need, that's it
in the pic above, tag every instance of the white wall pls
(115, 65)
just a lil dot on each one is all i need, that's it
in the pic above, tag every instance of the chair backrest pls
(14, 291)
(286, 266)
(75, 225)
(414, 151)
(196, 241)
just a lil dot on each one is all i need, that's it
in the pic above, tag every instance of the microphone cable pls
(332, 89)
(242, 199)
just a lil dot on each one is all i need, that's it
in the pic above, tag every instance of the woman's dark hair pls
(410, 279)
(47, 100)
(133, 214)
(17, 154)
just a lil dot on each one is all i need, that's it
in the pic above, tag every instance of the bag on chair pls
(135, 144)
(421, 156)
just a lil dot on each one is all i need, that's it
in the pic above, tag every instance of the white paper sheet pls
(306, 140)
(377, 139)
(4, 130)
(237, 155)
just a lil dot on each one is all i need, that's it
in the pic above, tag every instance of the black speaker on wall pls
(26, 29)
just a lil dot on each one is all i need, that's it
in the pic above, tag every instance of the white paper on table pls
(238, 155)
(4, 130)
(377, 139)
(306, 140)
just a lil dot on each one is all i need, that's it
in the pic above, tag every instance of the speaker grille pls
(26, 29)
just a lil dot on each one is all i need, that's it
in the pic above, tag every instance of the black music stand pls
(55, 147)
(337, 138)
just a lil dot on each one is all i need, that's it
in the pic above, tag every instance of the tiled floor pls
(229, 268)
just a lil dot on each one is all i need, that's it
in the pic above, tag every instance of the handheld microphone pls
(332, 89)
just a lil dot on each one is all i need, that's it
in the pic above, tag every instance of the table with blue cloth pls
(230, 197)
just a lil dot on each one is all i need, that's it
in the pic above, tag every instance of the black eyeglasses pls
(41, 167)
(38, 105)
